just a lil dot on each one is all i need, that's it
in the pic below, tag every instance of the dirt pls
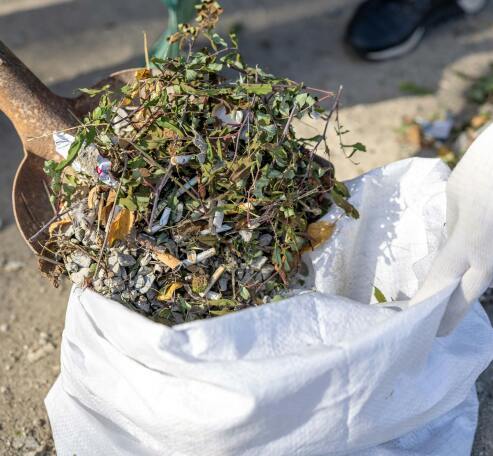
(72, 44)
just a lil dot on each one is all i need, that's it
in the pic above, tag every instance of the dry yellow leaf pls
(170, 292)
(106, 209)
(414, 135)
(92, 196)
(121, 225)
(57, 224)
(479, 120)
(319, 232)
(168, 259)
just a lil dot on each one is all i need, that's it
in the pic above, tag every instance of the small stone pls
(69, 232)
(81, 259)
(151, 294)
(4, 327)
(267, 271)
(39, 353)
(125, 260)
(30, 443)
(156, 305)
(265, 240)
(13, 266)
(98, 285)
(213, 296)
(79, 233)
(125, 296)
(143, 304)
(259, 262)
(71, 267)
(116, 269)
(246, 235)
(223, 283)
(39, 422)
(115, 284)
(146, 259)
(79, 277)
(18, 442)
(144, 283)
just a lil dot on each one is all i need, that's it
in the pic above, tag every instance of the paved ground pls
(71, 43)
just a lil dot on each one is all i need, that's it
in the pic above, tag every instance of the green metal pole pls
(180, 12)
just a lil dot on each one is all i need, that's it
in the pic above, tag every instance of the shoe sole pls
(467, 7)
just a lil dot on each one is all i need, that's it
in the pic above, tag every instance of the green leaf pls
(165, 124)
(190, 75)
(276, 256)
(348, 208)
(218, 39)
(357, 147)
(72, 153)
(127, 202)
(263, 119)
(94, 92)
(300, 100)
(222, 303)
(379, 296)
(244, 293)
(340, 187)
(411, 88)
(214, 67)
(142, 202)
(257, 89)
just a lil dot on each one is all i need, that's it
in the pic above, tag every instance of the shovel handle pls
(35, 111)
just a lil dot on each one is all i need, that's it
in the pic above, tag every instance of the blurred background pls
(74, 43)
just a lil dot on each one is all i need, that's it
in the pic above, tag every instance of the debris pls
(319, 232)
(35, 355)
(189, 194)
(13, 266)
(437, 129)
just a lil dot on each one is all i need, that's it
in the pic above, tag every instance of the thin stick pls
(48, 194)
(323, 137)
(286, 127)
(159, 188)
(49, 260)
(48, 223)
(146, 51)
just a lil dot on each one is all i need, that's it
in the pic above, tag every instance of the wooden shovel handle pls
(35, 111)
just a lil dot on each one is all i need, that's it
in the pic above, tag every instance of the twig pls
(146, 51)
(323, 137)
(47, 224)
(286, 127)
(49, 195)
(159, 188)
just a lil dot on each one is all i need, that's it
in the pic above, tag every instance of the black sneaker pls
(384, 29)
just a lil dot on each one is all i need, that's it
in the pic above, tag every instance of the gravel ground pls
(71, 44)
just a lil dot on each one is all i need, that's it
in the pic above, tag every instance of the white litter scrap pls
(326, 372)
(102, 166)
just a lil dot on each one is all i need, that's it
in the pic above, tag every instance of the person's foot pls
(384, 29)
